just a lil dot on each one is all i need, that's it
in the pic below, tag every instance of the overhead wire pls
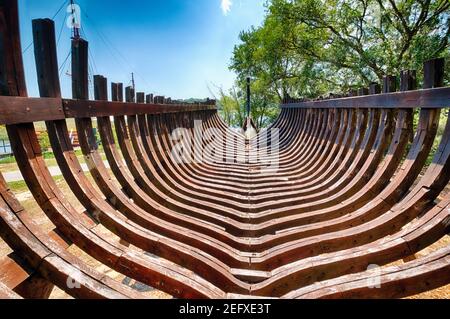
(110, 46)
(114, 52)
(64, 63)
(61, 30)
(53, 18)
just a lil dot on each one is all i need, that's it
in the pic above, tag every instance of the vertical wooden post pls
(389, 84)
(12, 76)
(120, 92)
(140, 97)
(114, 91)
(80, 84)
(129, 94)
(434, 73)
(374, 89)
(100, 88)
(117, 92)
(46, 58)
(353, 92)
(363, 91)
(80, 91)
(159, 99)
(408, 81)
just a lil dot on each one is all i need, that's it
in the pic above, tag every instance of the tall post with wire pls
(249, 110)
(80, 74)
(249, 126)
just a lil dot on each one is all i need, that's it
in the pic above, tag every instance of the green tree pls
(230, 107)
(307, 48)
(264, 105)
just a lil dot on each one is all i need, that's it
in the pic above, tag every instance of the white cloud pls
(226, 6)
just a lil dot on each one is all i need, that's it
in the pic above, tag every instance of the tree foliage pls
(264, 106)
(307, 48)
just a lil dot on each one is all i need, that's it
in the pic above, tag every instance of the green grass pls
(439, 134)
(8, 164)
(8, 160)
(21, 186)
(18, 187)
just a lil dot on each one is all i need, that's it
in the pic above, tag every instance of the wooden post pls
(80, 80)
(353, 92)
(434, 73)
(140, 97)
(129, 94)
(100, 88)
(374, 88)
(117, 92)
(389, 84)
(46, 58)
(363, 91)
(114, 91)
(159, 100)
(120, 92)
(408, 80)
(249, 109)
(12, 76)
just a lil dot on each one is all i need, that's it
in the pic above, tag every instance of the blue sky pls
(177, 48)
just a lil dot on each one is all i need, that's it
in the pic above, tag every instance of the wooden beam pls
(427, 98)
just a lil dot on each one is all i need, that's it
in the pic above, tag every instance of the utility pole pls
(248, 98)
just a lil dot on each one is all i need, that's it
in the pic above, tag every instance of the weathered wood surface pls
(351, 189)
(425, 98)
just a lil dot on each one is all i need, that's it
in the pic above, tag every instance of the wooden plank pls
(85, 109)
(427, 98)
(16, 110)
